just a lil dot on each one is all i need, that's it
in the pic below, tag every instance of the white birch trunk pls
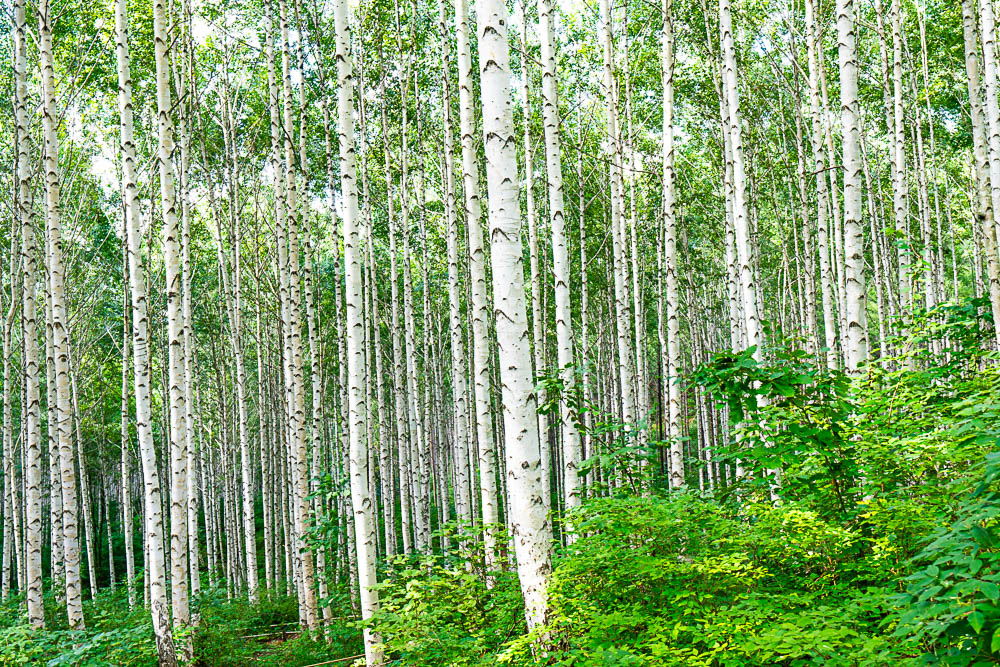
(179, 572)
(671, 296)
(184, 86)
(32, 414)
(537, 318)
(855, 295)
(531, 530)
(463, 499)
(63, 422)
(982, 203)
(361, 499)
(155, 570)
(398, 376)
(232, 295)
(741, 221)
(126, 455)
(478, 287)
(299, 458)
(560, 252)
(899, 205)
(988, 35)
(623, 321)
(85, 504)
(819, 166)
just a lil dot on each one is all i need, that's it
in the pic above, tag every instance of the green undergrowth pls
(884, 548)
(118, 637)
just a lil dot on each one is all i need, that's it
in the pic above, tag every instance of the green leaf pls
(990, 590)
(983, 536)
(976, 620)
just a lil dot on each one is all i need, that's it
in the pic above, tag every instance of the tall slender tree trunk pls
(560, 253)
(836, 236)
(458, 366)
(398, 376)
(671, 296)
(63, 422)
(586, 448)
(420, 502)
(748, 291)
(10, 486)
(154, 565)
(478, 288)
(623, 322)
(299, 457)
(827, 292)
(126, 454)
(233, 297)
(534, 266)
(899, 205)
(32, 414)
(183, 76)
(991, 84)
(880, 270)
(741, 221)
(179, 572)
(856, 311)
(57, 563)
(361, 499)
(983, 201)
(85, 504)
(638, 318)
(531, 530)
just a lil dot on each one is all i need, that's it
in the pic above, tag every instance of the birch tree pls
(856, 311)
(478, 285)
(62, 422)
(671, 297)
(361, 500)
(531, 530)
(32, 416)
(560, 252)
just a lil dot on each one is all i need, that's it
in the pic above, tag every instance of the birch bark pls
(361, 499)
(458, 366)
(622, 319)
(855, 297)
(819, 162)
(899, 206)
(63, 423)
(179, 572)
(560, 252)
(531, 530)
(32, 414)
(983, 201)
(671, 296)
(988, 36)
(155, 567)
(478, 287)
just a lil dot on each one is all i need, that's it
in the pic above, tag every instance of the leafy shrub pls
(436, 612)
(681, 580)
(951, 603)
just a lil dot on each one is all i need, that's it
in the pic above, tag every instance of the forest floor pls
(230, 633)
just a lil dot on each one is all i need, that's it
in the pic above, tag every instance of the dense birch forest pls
(438, 333)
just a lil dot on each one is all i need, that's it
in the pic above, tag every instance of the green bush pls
(682, 580)
(436, 612)
(951, 602)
